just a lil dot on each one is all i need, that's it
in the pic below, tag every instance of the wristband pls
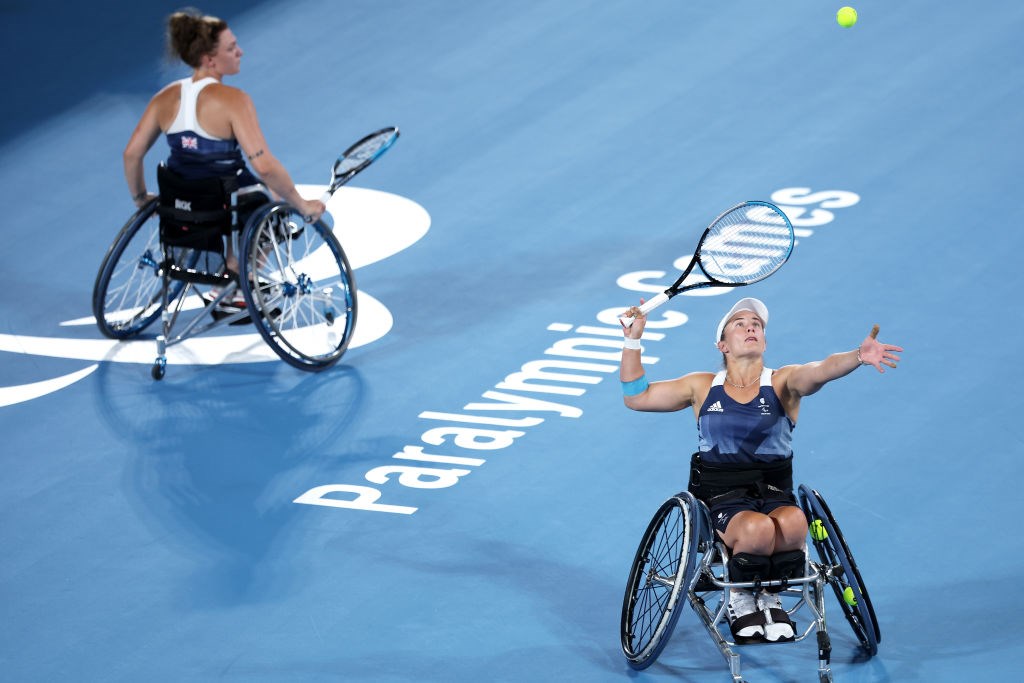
(630, 343)
(139, 196)
(859, 361)
(637, 386)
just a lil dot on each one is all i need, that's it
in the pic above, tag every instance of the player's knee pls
(756, 530)
(746, 567)
(792, 528)
(755, 533)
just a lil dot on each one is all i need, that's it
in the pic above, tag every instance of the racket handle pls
(646, 308)
(325, 217)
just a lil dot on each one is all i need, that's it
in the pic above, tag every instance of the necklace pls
(742, 386)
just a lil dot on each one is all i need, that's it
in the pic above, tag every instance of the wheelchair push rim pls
(126, 296)
(662, 570)
(834, 551)
(300, 287)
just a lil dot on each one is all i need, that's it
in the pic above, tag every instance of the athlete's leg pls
(735, 520)
(790, 528)
(757, 541)
(787, 561)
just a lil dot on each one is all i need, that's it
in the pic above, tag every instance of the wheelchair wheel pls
(833, 550)
(661, 574)
(127, 295)
(299, 287)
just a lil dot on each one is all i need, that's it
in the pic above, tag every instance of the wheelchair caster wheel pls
(159, 368)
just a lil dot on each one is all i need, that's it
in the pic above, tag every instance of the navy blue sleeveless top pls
(742, 433)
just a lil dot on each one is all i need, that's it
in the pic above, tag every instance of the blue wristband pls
(637, 386)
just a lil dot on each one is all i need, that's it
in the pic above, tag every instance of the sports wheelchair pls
(681, 557)
(174, 260)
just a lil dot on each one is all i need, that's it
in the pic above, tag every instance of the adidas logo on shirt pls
(715, 407)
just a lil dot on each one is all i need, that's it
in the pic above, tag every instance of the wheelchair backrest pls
(196, 213)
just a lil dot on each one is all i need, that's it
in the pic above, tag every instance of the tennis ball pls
(846, 17)
(849, 597)
(818, 530)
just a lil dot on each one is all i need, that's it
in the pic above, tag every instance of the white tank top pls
(186, 119)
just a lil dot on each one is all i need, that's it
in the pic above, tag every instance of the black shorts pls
(763, 499)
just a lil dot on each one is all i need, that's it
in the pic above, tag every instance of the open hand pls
(875, 353)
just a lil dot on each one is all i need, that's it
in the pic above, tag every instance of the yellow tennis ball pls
(818, 530)
(849, 597)
(846, 17)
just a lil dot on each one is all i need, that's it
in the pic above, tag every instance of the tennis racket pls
(357, 157)
(744, 245)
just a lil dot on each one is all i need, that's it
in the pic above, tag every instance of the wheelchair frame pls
(680, 554)
(294, 276)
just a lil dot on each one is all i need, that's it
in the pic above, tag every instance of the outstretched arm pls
(805, 380)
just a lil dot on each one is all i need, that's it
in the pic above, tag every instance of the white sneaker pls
(778, 627)
(745, 621)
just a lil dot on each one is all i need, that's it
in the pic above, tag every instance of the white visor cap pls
(748, 304)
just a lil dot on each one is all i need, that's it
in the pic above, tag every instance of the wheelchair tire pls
(662, 571)
(833, 551)
(127, 295)
(298, 286)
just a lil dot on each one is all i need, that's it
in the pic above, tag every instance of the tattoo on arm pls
(255, 154)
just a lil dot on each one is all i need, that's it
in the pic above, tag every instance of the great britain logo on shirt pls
(189, 142)
(765, 408)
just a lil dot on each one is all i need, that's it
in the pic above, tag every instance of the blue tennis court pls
(423, 511)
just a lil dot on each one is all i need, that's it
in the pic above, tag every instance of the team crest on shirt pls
(765, 408)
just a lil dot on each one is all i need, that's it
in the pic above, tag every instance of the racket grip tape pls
(646, 308)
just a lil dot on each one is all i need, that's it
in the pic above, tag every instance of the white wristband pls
(630, 343)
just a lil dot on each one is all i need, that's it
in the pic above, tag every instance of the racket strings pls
(746, 244)
(363, 153)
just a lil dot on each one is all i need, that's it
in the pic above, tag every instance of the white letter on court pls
(412, 476)
(364, 500)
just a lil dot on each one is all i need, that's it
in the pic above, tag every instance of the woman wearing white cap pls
(743, 468)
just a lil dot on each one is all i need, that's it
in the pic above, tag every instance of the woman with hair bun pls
(208, 125)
